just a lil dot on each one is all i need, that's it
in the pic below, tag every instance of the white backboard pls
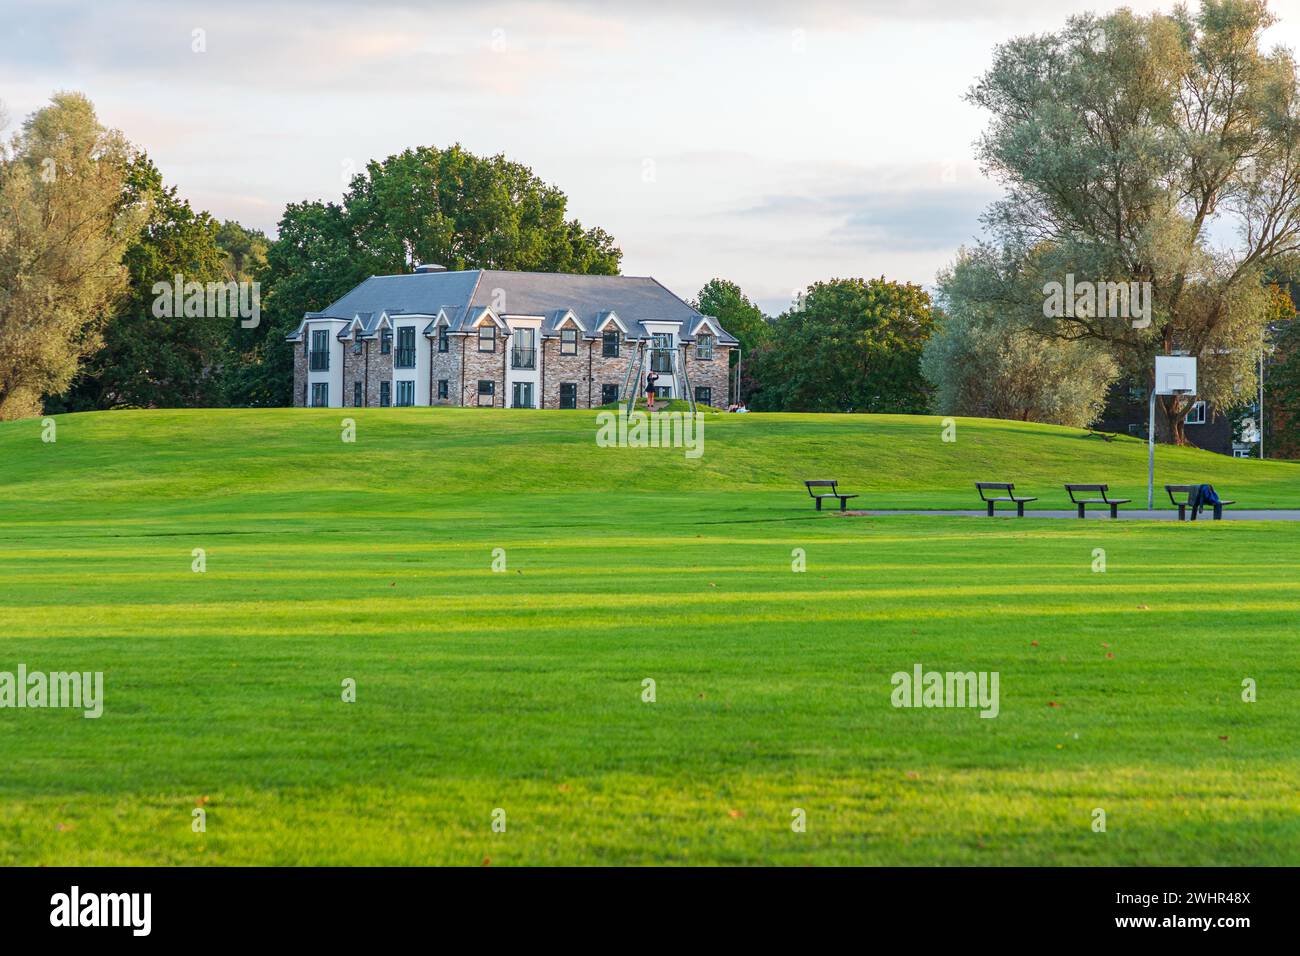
(1175, 374)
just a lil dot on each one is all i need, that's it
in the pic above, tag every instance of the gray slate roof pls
(464, 296)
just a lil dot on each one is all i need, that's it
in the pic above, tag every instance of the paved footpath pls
(1229, 514)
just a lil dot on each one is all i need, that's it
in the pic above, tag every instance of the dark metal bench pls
(833, 493)
(1009, 488)
(1105, 499)
(1187, 491)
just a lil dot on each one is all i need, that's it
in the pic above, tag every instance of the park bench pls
(834, 492)
(1006, 486)
(1105, 499)
(1189, 492)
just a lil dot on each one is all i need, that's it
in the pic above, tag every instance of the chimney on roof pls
(430, 267)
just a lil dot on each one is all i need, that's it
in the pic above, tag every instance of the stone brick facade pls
(607, 371)
(482, 365)
(463, 365)
(369, 367)
(712, 373)
(588, 370)
(560, 369)
(446, 366)
(300, 373)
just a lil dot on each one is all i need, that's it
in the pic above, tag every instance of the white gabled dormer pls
(570, 330)
(605, 319)
(569, 320)
(709, 324)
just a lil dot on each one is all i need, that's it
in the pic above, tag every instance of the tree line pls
(89, 233)
(1131, 149)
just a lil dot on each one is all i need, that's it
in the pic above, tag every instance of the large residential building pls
(485, 337)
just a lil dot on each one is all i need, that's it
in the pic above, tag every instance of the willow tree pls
(981, 367)
(1161, 149)
(63, 229)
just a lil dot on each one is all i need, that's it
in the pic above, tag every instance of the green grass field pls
(522, 690)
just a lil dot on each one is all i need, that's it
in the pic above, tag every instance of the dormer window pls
(487, 338)
(704, 347)
(356, 346)
(609, 344)
(386, 342)
(569, 342)
(443, 344)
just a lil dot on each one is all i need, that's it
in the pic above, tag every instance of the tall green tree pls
(151, 360)
(244, 253)
(849, 345)
(468, 212)
(1123, 141)
(63, 229)
(244, 250)
(722, 299)
(981, 367)
(313, 261)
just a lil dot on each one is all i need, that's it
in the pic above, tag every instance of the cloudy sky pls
(774, 142)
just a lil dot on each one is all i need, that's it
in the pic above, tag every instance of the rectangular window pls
(356, 395)
(661, 352)
(405, 347)
(703, 395)
(524, 352)
(609, 344)
(1197, 415)
(487, 338)
(569, 342)
(356, 346)
(320, 351)
(385, 394)
(405, 394)
(385, 341)
(442, 388)
(487, 389)
(444, 344)
(704, 348)
(608, 394)
(568, 394)
(320, 395)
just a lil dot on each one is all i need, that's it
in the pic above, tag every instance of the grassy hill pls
(192, 462)
(521, 689)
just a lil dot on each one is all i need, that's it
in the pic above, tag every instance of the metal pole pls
(1261, 401)
(1151, 454)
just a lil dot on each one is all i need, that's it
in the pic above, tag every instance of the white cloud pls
(790, 141)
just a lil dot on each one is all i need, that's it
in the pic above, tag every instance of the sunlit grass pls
(522, 690)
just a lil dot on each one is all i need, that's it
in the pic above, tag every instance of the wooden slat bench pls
(1006, 486)
(1187, 491)
(1105, 499)
(833, 493)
